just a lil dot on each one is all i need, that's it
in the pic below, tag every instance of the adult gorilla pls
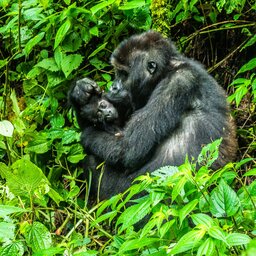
(178, 108)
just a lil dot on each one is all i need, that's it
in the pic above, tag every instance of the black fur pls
(177, 108)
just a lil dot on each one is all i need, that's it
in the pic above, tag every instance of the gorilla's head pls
(141, 62)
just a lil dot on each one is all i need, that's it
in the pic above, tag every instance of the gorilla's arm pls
(148, 126)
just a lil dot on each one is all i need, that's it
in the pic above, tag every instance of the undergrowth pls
(175, 210)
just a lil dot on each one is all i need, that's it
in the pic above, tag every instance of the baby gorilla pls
(105, 111)
(103, 115)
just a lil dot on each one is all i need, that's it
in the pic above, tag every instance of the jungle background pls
(46, 44)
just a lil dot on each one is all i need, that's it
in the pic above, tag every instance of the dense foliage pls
(45, 44)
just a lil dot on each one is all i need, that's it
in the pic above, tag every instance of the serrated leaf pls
(23, 178)
(248, 66)
(178, 187)
(57, 121)
(6, 231)
(136, 243)
(201, 218)
(133, 214)
(188, 241)
(33, 42)
(48, 64)
(101, 6)
(8, 209)
(14, 249)
(236, 239)
(38, 237)
(61, 33)
(218, 233)
(207, 248)
(224, 201)
(6, 128)
(70, 63)
(187, 209)
(132, 5)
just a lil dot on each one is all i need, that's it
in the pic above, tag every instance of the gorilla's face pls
(140, 63)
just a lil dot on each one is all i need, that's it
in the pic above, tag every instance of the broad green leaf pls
(188, 241)
(252, 172)
(132, 5)
(236, 239)
(201, 218)
(7, 231)
(101, 47)
(52, 251)
(3, 63)
(6, 128)
(24, 177)
(248, 66)
(38, 237)
(48, 64)
(136, 244)
(70, 63)
(240, 92)
(61, 33)
(187, 209)
(133, 214)
(252, 41)
(207, 248)
(224, 201)
(70, 136)
(101, 6)
(40, 145)
(15, 105)
(94, 31)
(57, 121)
(8, 209)
(165, 228)
(218, 233)
(178, 187)
(32, 42)
(14, 249)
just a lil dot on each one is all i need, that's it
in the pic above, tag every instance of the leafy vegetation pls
(176, 210)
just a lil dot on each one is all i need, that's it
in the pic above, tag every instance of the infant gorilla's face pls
(106, 112)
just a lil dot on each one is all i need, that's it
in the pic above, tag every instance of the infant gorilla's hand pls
(83, 90)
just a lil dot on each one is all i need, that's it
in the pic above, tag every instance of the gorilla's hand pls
(82, 92)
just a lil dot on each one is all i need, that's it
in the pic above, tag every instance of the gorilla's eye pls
(151, 67)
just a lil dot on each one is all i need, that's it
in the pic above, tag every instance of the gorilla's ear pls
(152, 66)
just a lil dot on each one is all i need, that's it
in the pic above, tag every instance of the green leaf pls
(61, 33)
(57, 121)
(207, 248)
(133, 214)
(70, 63)
(236, 239)
(224, 201)
(32, 42)
(136, 244)
(132, 4)
(101, 6)
(201, 218)
(218, 233)
(7, 231)
(38, 237)
(94, 31)
(8, 209)
(178, 187)
(240, 92)
(187, 209)
(248, 66)
(48, 64)
(3, 63)
(252, 172)
(14, 249)
(100, 48)
(6, 128)
(52, 251)
(188, 241)
(24, 177)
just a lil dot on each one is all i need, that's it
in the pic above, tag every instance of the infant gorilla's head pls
(100, 111)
